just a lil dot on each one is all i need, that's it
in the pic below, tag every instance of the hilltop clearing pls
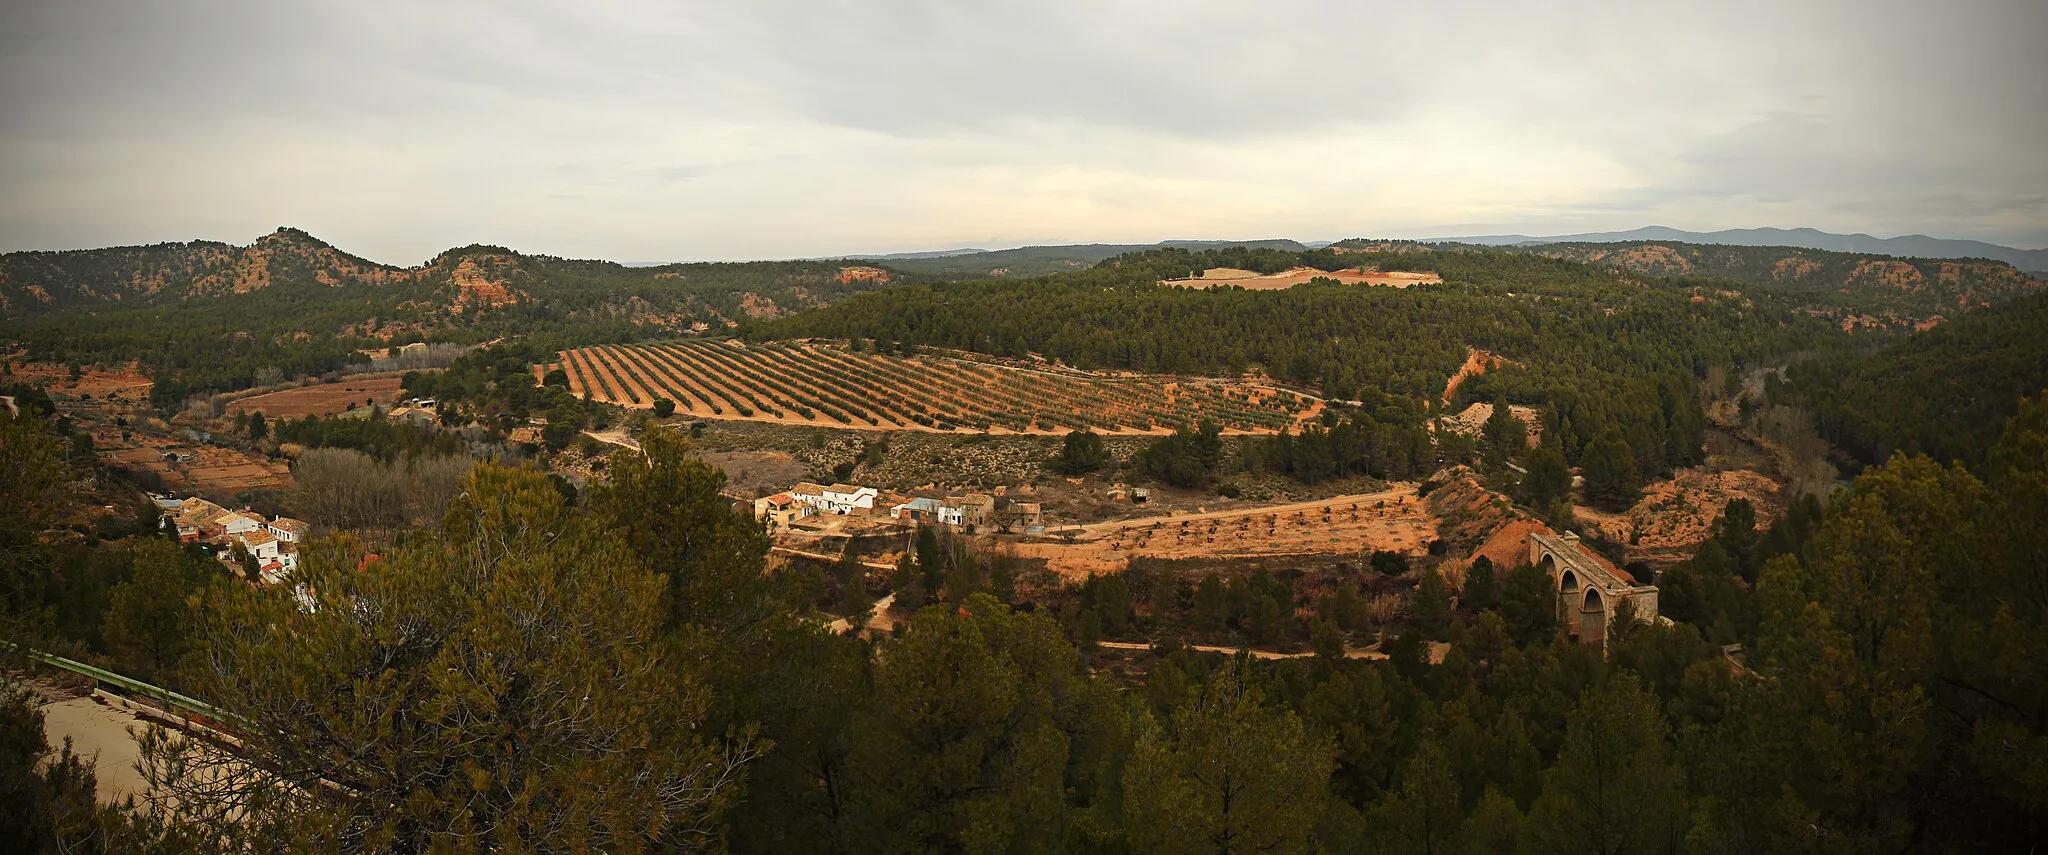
(1256, 281)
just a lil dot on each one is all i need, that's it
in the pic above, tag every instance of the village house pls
(781, 509)
(260, 545)
(844, 499)
(922, 509)
(810, 494)
(976, 509)
(287, 530)
(838, 499)
(195, 518)
(232, 524)
(1028, 516)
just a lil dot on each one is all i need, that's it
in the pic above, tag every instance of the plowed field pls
(817, 384)
(325, 399)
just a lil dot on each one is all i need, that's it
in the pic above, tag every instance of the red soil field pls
(325, 399)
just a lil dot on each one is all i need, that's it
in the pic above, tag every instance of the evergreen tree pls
(961, 749)
(1430, 612)
(1225, 773)
(1610, 470)
(502, 673)
(1614, 787)
(1504, 436)
(1080, 453)
(1528, 603)
(1211, 603)
(1482, 588)
(1549, 483)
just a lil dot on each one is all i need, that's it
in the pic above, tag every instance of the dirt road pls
(100, 734)
(820, 556)
(1437, 649)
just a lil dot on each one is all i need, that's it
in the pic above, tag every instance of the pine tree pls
(1482, 588)
(1612, 480)
(1225, 773)
(1430, 612)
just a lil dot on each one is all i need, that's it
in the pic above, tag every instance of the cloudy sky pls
(696, 129)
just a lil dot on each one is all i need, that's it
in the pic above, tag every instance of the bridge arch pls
(1568, 595)
(1592, 618)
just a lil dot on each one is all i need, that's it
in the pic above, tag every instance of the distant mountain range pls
(1907, 246)
(977, 262)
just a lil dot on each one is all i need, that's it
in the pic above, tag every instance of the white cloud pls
(643, 130)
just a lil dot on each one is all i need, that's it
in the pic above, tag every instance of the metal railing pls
(172, 701)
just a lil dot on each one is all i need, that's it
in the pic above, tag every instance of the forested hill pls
(1041, 260)
(1342, 338)
(1943, 392)
(209, 317)
(1915, 287)
(32, 282)
(464, 280)
(1598, 348)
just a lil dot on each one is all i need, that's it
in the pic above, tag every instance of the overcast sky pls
(693, 129)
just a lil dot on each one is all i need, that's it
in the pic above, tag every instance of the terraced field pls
(805, 383)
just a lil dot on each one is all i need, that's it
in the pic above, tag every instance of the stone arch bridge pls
(1589, 589)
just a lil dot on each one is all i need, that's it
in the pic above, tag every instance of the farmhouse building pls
(781, 509)
(1589, 588)
(844, 499)
(260, 545)
(810, 494)
(287, 530)
(921, 509)
(976, 509)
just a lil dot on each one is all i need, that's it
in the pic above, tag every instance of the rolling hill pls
(464, 282)
(1041, 260)
(1945, 392)
(1854, 287)
(1905, 246)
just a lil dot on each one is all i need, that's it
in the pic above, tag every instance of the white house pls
(240, 523)
(287, 529)
(809, 494)
(846, 498)
(260, 545)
